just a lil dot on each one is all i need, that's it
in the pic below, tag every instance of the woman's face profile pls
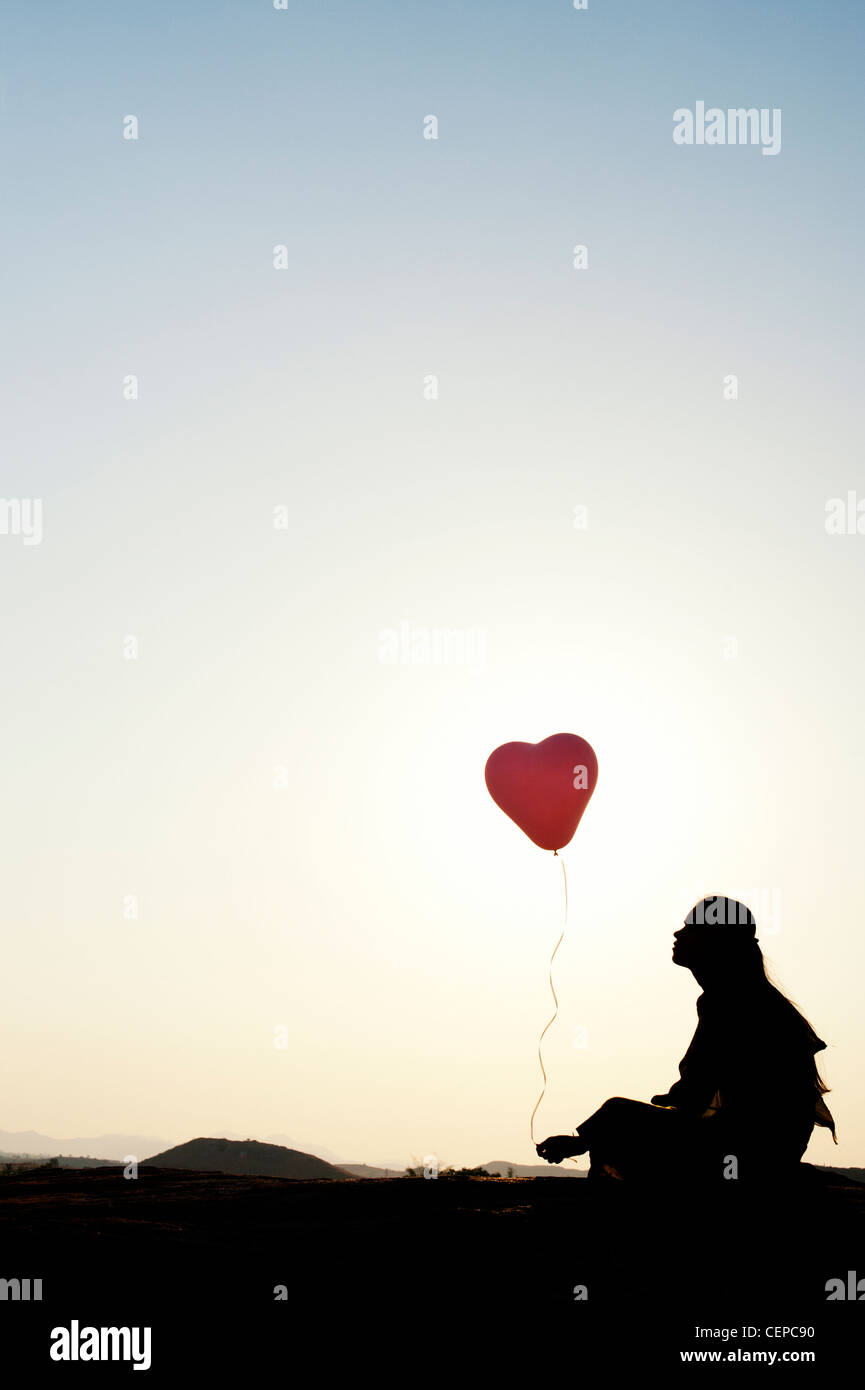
(689, 945)
(708, 951)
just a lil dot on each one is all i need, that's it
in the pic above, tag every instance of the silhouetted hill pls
(367, 1170)
(283, 1141)
(245, 1158)
(533, 1170)
(857, 1174)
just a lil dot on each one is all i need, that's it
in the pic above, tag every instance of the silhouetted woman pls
(748, 1089)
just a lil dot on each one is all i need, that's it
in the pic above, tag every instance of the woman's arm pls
(698, 1079)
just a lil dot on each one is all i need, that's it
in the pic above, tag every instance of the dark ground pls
(376, 1270)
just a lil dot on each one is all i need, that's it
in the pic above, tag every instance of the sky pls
(253, 878)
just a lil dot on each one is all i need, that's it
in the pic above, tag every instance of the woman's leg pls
(639, 1141)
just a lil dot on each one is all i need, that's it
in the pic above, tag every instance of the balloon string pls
(555, 1001)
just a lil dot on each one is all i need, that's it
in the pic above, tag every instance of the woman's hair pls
(815, 1043)
(745, 962)
(741, 962)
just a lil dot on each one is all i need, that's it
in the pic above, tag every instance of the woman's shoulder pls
(761, 1012)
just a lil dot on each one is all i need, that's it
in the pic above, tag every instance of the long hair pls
(808, 1029)
(811, 1040)
(739, 969)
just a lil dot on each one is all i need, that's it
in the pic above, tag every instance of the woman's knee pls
(617, 1104)
(611, 1118)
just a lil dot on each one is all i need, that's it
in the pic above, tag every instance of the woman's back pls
(769, 1093)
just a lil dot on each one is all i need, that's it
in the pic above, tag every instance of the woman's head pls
(717, 943)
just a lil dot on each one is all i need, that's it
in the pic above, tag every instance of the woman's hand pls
(557, 1147)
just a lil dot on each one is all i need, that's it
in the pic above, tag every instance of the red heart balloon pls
(544, 787)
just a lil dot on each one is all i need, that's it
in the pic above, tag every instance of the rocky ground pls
(239, 1270)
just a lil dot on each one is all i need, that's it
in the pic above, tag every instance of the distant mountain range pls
(224, 1153)
(366, 1170)
(110, 1146)
(115, 1147)
(228, 1153)
(499, 1167)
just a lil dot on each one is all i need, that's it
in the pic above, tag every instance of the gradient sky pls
(379, 907)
